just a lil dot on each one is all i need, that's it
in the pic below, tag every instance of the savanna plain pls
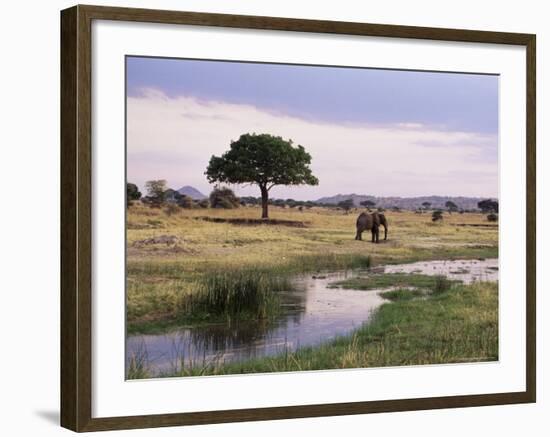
(200, 269)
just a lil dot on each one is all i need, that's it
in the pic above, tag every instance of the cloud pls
(174, 137)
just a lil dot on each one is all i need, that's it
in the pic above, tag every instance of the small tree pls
(155, 191)
(488, 206)
(437, 216)
(346, 205)
(291, 203)
(368, 204)
(451, 206)
(132, 193)
(223, 198)
(426, 205)
(264, 160)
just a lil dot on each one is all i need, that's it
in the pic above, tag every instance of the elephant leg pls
(359, 236)
(385, 232)
(377, 232)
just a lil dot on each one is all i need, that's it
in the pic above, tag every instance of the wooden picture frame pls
(76, 217)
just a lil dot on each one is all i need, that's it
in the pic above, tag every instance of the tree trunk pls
(264, 202)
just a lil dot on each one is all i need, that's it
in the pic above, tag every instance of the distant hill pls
(406, 202)
(191, 192)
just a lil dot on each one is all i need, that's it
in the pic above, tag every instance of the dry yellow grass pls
(327, 231)
(159, 274)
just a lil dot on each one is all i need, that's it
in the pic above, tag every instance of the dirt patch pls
(168, 240)
(255, 222)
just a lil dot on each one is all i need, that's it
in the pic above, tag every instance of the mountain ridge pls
(462, 202)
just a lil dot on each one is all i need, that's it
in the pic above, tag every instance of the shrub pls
(223, 198)
(186, 202)
(492, 217)
(171, 208)
(204, 203)
(442, 284)
(437, 215)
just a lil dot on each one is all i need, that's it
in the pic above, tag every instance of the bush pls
(442, 284)
(186, 202)
(224, 198)
(204, 203)
(437, 215)
(492, 217)
(171, 208)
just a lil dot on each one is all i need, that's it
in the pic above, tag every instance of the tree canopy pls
(488, 205)
(156, 191)
(346, 205)
(451, 206)
(368, 203)
(264, 160)
(132, 193)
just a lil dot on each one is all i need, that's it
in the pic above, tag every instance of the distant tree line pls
(158, 195)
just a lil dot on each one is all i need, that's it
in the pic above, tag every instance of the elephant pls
(371, 222)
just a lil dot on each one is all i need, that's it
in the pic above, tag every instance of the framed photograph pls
(269, 218)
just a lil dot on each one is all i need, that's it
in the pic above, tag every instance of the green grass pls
(402, 294)
(237, 293)
(455, 326)
(166, 295)
(385, 280)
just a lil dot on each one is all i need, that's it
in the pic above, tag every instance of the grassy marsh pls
(458, 325)
(385, 280)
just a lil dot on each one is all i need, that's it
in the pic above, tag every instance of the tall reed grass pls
(238, 292)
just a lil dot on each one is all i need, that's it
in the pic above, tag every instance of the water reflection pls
(311, 315)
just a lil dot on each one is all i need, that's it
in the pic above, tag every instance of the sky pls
(369, 131)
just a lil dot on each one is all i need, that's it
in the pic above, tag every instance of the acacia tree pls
(368, 204)
(488, 205)
(451, 206)
(346, 205)
(264, 160)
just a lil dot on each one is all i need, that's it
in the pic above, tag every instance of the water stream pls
(312, 314)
